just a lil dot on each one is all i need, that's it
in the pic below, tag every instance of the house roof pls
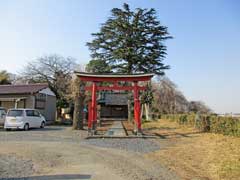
(22, 89)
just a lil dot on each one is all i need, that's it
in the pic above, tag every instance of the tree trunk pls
(78, 105)
(142, 111)
(129, 111)
(59, 114)
(77, 113)
(146, 111)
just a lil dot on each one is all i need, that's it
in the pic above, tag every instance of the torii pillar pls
(137, 108)
(94, 106)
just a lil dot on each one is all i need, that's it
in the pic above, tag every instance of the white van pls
(24, 119)
(2, 115)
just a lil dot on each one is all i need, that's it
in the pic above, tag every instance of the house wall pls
(9, 102)
(49, 111)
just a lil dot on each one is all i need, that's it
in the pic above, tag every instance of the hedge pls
(208, 123)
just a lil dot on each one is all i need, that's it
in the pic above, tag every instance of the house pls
(113, 105)
(36, 96)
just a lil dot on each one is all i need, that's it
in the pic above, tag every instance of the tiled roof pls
(22, 89)
(116, 99)
(116, 75)
(96, 77)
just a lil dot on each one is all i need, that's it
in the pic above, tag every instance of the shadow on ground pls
(172, 134)
(176, 135)
(52, 177)
(51, 128)
(46, 128)
(159, 128)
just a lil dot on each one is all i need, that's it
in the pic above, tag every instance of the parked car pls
(2, 115)
(24, 119)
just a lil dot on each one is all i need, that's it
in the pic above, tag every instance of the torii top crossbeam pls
(114, 78)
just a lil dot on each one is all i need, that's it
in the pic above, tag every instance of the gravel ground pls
(10, 164)
(49, 133)
(57, 152)
(52, 135)
(135, 145)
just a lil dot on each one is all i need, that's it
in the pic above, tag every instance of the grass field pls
(195, 155)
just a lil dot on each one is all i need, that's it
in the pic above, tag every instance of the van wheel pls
(42, 125)
(8, 129)
(26, 127)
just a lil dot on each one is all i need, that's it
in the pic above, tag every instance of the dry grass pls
(197, 155)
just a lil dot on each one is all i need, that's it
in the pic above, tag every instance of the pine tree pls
(131, 42)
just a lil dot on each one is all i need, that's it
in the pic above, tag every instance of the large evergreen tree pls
(131, 41)
(98, 66)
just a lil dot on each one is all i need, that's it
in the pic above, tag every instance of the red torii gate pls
(115, 79)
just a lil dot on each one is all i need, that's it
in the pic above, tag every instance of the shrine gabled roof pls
(114, 76)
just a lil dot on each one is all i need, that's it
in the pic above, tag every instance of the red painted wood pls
(90, 115)
(127, 88)
(113, 79)
(138, 116)
(137, 106)
(115, 84)
(94, 103)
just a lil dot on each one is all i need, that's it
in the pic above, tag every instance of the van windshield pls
(15, 113)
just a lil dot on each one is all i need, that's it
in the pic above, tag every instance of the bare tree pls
(167, 98)
(79, 96)
(199, 107)
(54, 70)
(181, 103)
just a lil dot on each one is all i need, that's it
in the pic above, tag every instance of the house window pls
(40, 101)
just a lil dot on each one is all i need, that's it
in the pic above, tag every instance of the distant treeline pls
(168, 99)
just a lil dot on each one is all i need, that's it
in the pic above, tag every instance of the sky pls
(204, 54)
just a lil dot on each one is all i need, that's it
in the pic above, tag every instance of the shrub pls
(225, 125)
(208, 123)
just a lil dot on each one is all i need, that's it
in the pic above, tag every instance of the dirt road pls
(60, 153)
